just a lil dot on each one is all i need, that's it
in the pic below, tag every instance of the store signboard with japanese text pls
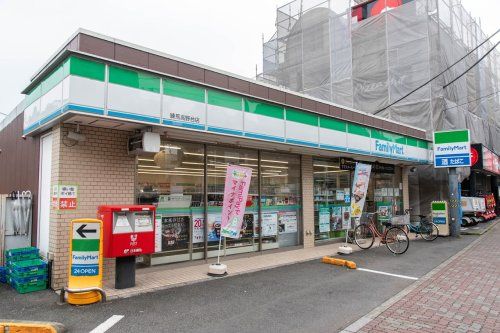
(360, 188)
(235, 197)
(175, 232)
(64, 197)
(452, 149)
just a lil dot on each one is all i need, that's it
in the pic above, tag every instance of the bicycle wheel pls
(429, 231)
(397, 240)
(363, 236)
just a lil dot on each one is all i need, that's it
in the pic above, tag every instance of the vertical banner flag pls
(359, 188)
(235, 197)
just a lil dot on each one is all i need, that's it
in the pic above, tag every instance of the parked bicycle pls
(425, 228)
(394, 237)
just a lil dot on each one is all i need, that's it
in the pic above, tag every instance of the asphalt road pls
(306, 297)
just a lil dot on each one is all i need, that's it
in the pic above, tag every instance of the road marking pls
(107, 324)
(385, 273)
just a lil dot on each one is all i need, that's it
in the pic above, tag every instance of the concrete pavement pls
(461, 295)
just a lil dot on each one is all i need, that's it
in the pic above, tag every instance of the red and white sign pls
(64, 197)
(491, 161)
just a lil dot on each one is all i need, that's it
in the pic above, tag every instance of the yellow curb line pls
(338, 262)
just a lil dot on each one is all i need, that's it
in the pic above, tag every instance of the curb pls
(12, 325)
(481, 231)
(361, 322)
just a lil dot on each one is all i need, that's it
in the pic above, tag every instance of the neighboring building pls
(369, 54)
(83, 106)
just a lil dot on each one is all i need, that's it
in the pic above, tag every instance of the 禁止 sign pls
(85, 260)
(452, 149)
(235, 197)
(64, 197)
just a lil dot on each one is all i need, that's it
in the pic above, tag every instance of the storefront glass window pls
(173, 181)
(280, 193)
(385, 196)
(218, 158)
(331, 198)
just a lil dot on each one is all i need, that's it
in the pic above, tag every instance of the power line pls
(436, 76)
(473, 65)
(469, 102)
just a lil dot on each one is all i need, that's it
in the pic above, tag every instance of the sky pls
(225, 34)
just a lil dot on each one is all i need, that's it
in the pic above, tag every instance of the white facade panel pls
(131, 100)
(183, 110)
(86, 92)
(267, 126)
(51, 101)
(331, 138)
(302, 132)
(224, 118)
(358, 143)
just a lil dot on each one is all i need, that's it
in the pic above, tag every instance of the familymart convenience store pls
(90, 105)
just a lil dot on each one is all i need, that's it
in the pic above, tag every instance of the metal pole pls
(454, 208)
(205, 199)
(259, 201)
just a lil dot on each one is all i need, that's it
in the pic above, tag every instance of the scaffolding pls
(321, 48)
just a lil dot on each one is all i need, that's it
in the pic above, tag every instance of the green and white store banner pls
(89, 87)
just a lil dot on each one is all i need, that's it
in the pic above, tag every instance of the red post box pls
(128, 230)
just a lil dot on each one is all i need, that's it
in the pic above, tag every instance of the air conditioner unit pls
(146, 142)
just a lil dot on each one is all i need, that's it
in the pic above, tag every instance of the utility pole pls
(454, 202)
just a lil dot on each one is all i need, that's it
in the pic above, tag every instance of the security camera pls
(413, 169)
(24, 137)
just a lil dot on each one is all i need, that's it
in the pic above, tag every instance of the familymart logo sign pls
(389, 148)
(452, 149)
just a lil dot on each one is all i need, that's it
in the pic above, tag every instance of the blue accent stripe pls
(453, 155)
(333, 147)
(83, 108)
(50, 117)
(133, 116)
(354, 150)
(264, 137)
(30, 128)
(182, 124)
(224, 130)
(303, 143)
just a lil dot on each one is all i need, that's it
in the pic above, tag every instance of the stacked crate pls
(26, 272)
(3, 274)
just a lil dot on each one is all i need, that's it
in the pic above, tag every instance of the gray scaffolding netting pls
(320, 49)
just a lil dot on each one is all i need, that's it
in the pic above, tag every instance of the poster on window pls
(235, 198)
(158, 233)
(384, 211)
(287, 222)
(198, 229)
(324, 219)
(336, 220)
(247, 225)
(339, 195)
(269, 224)
(360, 188)
(346, 217)
(214, 227)
(175, 232)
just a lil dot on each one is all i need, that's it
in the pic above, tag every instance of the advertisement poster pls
(247, 225)
(346, 217)
(384, 211)
(324, 219)
(235, 197)
(269, 224)
(158, 233)
(336, 218)
(359, 188)
(339, 195)
(287, 222)
(175, 232)
(214, 222)
(347, 196)
(198, 229)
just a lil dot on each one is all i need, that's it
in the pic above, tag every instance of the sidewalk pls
(460, 295)
(152, 279)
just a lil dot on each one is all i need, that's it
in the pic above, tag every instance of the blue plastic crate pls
(27, 268)
(13, 279)
(23, 253)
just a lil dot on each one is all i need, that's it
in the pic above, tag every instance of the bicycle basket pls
(400, 220)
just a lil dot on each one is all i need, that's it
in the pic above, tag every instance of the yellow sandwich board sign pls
(85, 260)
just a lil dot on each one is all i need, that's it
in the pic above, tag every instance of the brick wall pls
(104, 173)
(406, 187)
(307, 201)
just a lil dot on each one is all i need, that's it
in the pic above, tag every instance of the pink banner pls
(235, 197)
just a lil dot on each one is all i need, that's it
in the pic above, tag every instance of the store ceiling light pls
(146, 159)
(272, 161)
(148, 166)
(177, 174)
(331, 171)
(285, 175)
(326, 166)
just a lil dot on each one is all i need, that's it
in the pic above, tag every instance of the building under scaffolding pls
(368, 55)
